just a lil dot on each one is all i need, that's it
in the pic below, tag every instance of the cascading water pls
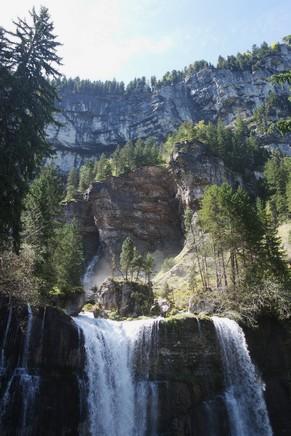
(2, 357)
(28, 384)
(119, 404)
(88, 278)
(244, 397)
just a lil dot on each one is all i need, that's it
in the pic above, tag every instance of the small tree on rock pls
(126, 256)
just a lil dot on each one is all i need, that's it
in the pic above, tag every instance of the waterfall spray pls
(244, 397)
(113, 392)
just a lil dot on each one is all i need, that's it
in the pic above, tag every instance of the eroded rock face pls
(142, 205)
(127, 299)
(194, 168)
(147, 204)
(190, 379)
(42, 359)
(270, 347)
(92, 123)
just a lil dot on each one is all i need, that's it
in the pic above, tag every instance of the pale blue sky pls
(124, 39)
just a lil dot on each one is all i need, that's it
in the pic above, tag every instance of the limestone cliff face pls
(141, 204)
(92, 123)
(194, 168)
(147, 204)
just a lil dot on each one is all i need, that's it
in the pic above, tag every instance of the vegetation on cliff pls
(238, 260)
(237, 147)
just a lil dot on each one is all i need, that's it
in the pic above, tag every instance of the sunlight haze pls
(103, 39)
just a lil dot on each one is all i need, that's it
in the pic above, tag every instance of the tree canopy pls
(28, 60)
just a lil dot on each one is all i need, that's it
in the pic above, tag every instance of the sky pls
(124, 39)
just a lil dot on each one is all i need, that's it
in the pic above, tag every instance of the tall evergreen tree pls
(27, 61)
(68, 258)
(40, 221)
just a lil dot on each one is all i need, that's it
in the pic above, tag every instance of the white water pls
(244, 397)
(25, 352)
(28, 383)
(2, 357)
(88, 278)
(118, 403)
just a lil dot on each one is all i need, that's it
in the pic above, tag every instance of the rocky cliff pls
(93, 123)
(147, 205)
(41, 368)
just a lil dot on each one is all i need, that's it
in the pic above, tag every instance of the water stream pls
(244, 396)
(119, 402)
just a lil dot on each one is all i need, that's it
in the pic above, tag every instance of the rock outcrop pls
(125, 298)
(92, 123)
(41, 358)
(194, 168)
(188, 370)
(141, 204)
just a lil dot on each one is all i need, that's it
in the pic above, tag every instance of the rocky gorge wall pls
(91, 124)
(185, 365)
(147, 205)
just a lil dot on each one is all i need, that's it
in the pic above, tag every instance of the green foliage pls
(103, 168)
(283, 125)
(127, 158)
(244, 238)
(250, 60)
(131, 261)
(28, 59)
(126, 256)
(236, 147)
(273, 107)
(72, 184)
(287, 39)
(58, 260)
(278, 179)
(188, 214)
(86, 175)
(148, 266)
(40, 218)
(17, 275)
(68, 259)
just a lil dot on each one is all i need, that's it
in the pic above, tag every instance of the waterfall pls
(244, 397)
(88, 278)
(2, 357)
(119, 404)
(25, 352)
(20, 381)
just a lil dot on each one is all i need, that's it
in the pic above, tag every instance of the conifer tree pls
(72, 184)
(28, 60)
(126, 256)
(68, 258)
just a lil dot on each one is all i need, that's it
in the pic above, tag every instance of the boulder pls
(126, 299)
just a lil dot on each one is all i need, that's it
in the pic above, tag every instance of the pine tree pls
(148, 266)
(126, 256)
(72, 184)
(28, 59)
(68, 259)
(40, 221)
(86, 175)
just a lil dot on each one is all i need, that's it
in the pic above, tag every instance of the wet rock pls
(161, 307)
(50, 373)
